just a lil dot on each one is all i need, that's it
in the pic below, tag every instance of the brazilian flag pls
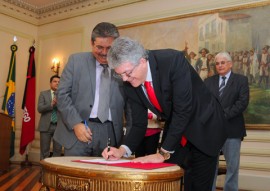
(9, 98)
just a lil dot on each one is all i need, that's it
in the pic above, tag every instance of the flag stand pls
(26, 162)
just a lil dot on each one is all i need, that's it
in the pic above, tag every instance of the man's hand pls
(114, 153)
(54, 101)
(82, 133)
(154, 158)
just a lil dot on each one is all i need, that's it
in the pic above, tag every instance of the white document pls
(103, 161)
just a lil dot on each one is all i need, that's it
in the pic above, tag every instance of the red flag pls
(28, 105)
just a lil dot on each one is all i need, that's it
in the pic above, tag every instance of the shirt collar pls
(98, 65)
(52, 93)
(148, 76)
(227, 75)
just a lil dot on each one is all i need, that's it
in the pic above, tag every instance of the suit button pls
(91, 106)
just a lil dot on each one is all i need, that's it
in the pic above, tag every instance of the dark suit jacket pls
(45, 109)
(234, 101)
(187, 105)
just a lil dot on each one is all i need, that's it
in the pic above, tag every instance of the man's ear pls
(143, 61)
(92, 43)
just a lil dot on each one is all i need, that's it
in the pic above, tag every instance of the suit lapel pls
(156, 84)
(91, 65)
(49, 96)
(229, 83)
(156, 81)
(145, 100)
(216, 86)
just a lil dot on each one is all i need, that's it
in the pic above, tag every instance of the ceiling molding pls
(59, 10)
(46, 7)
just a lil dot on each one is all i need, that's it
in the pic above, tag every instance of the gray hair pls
(104, 30)
(124, 49)
(225, 55)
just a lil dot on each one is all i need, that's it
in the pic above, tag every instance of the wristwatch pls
(166, 156)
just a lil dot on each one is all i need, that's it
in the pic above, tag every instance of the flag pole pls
(26, 162)
(8, 105)
(28, 106)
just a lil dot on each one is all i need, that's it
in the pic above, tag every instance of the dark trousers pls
(199, 167)
(148, 145)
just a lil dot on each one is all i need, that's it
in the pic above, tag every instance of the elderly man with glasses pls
(232, 91)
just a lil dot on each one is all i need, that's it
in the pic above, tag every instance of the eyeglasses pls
(221, 63)
(127, 73)
(101, 48)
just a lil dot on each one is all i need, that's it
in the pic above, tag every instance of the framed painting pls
(242, 31)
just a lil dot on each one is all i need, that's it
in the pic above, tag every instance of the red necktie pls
(151, 95)
(153, 99)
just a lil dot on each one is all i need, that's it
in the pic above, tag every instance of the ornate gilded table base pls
(71, 176)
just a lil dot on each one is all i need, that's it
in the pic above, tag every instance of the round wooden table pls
(61, 173)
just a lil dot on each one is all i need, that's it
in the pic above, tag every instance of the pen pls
(109, 146)
(86, 126)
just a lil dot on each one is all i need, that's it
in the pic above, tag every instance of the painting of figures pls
(243, 32)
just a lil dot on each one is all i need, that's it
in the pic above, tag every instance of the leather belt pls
(96, 120)
(54, 123)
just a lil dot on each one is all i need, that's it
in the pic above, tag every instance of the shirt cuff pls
(166, 151)
(128, 151)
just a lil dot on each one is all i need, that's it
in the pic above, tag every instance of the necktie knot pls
(105, 67)
(147, 84)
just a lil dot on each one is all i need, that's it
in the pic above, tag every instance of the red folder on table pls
(130, 164)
